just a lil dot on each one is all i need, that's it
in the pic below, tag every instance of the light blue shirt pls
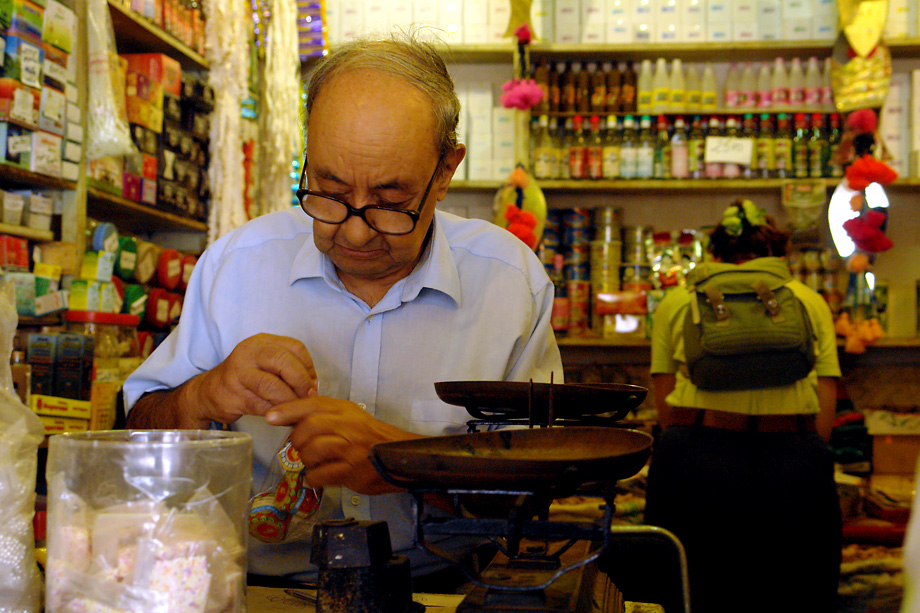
(476, 307)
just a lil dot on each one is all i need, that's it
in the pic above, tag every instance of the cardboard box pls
(19, 104)
(159, 68)
(23, 60)
(23, 18)
(15, 144)
(59, 425)
(46, 153)
(68, 376)
(60, 26)
(42, 351)
(894, 453)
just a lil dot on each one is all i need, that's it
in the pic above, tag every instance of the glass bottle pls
(595, 149)
(614, 78)
(696, 148)
(598, 89)
(800, 146)
(544, 153)
(709, 98)
(661, 88)
(645, 87)
(780, 85)
(817, 147)
(680, 160)
(645, 154)
(566, 141)
(582, 89)
(611, 164)
(693, 95)
(541, 78)
(731, 170)
(766, 160)
(555, 87)
(749, 132)
(782, 147)
(678, 88)
(714, 170)
(628, 149)
(568, 88)
(578, 168)
(661, 163)
(833, 167)
(628, 90)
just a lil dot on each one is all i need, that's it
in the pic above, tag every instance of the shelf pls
(627, 341)
(134, 216)
(904, 47)
(17, 176)
(662, 185)
(42, 236)
(134, 34)
(475, 186)
(689, 52)
(688, 113)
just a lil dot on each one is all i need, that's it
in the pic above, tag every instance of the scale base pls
(582, 590)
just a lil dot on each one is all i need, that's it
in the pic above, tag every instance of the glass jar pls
(115, 334)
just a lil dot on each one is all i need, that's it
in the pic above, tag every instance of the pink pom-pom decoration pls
(523, 94)
(523, 34)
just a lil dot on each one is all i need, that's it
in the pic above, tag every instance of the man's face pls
(372, 142)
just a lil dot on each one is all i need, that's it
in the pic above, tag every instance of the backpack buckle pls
(768, 298)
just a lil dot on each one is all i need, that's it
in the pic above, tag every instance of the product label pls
(709, 100)
(628, 162)
(611, 162)
(544, 163)
(782, 148)
(765, 159)
(812, 96)
(780, 96)
(30, 65)
(595, 162)
(680, 162)
(577, 162)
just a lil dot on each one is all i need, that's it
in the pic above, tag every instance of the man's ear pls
(450, 164)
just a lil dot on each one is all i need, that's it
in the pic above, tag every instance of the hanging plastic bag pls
(108, 133)
(859, 82)
(21, 432)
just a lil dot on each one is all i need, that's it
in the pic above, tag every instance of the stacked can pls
(606, 256)
(635, 270)
(576, 231)
(551, 254)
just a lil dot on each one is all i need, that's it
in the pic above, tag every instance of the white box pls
(567, 33)
(718, 32)
(824, 7)
(72, 151)
(693, 9)
(770, 28)
(718, 11)
(502, 168)
(797, 28)
(744, 10)
(567, 11)
(402, 12)
(594, 33)
(618, 8)
(915, 110)
(502, 123)
(74, 132)
(643, 32)
(593, 12)
(824, 27)
(769, 9)
(744, 31)
(352, 19)
(797, 8)
(541, 12)
(897, 24)
(666, 11)
(70, 171)
(475, 12)
(503, 149)
(642, 11)
(619, 30)
(668, 32)
(479, 169)
(424, 13)
(893, 122)
(480, 100)
(46, 154)
(693, 30)
(376, 16)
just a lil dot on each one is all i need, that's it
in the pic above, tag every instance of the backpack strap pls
(717, 300)
(770, 303)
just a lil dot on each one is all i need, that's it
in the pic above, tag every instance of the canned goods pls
(577, 272)
(606, 254)
(559, 319)
(635, 276)
(572, 235)
(812, 260)
(577, 218)
(610, 216)
(813, 279)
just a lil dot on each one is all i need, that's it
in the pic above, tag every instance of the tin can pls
(577, 218)
(606, 255)
(577, 272)
(559, 318)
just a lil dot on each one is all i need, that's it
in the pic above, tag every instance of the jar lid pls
(118, 319)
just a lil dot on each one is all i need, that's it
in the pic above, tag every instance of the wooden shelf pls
(136, 217)
(904, 47)
(664, 185)
(737, 111)
(688, 52)
(475, 186)
(134, 34)
(42, 236)
(13, 175)
(627, 341)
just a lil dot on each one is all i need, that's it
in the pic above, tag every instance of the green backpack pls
(745, 329)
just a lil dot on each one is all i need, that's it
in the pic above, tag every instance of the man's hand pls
(262, 371)
(334, 439)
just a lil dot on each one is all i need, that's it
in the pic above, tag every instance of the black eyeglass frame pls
(362, 212)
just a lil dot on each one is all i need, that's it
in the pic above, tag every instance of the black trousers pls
(757, 513)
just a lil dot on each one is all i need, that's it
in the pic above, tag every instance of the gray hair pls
(403, 57)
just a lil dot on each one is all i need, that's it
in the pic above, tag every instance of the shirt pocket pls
(436, 418)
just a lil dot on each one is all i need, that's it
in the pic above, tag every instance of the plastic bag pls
(287, 504)
(21, 432)
(108, 133)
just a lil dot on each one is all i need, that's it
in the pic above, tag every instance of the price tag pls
(19, 144)
(729, 149)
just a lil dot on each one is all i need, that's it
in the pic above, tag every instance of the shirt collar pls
(436, 270)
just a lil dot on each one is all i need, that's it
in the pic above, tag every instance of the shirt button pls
(370, 319)
(355, 500)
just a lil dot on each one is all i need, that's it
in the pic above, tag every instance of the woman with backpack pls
(744, 370)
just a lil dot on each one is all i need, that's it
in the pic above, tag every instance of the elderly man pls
(331, 332)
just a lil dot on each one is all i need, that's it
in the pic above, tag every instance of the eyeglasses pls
(383, 219)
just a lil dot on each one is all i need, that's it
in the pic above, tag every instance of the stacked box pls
(42, 352)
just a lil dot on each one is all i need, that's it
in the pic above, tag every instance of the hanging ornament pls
(228, 58)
